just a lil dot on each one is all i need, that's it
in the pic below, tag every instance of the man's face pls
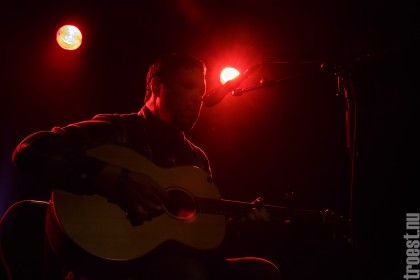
(180, 98)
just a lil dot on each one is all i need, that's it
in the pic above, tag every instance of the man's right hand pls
(138, 194)
(142, 198)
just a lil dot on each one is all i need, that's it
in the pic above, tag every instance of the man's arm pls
(57, 157)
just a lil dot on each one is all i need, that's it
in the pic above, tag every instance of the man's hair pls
(167, 64)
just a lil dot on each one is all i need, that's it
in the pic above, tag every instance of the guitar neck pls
(239, 208)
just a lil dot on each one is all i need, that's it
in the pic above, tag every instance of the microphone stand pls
(346, 90)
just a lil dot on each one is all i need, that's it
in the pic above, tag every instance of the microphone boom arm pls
(264, 84)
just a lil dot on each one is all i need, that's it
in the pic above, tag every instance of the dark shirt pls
(58, 156)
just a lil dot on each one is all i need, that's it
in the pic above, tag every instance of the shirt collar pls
(160, 128)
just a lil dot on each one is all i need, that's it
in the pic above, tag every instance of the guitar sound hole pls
(180, 204)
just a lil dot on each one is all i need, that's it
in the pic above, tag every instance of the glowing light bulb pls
(69, 37)
(228, 74)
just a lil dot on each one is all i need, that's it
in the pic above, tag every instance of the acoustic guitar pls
(89, 228)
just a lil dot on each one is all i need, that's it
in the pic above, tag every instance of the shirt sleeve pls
(58, 158)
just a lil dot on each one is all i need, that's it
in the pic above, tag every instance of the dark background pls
(260, 143)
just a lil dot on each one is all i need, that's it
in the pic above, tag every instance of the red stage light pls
(228, 74)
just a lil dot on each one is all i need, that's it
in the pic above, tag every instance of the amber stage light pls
(69, 37)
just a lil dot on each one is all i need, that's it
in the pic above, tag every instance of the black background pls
(292, 134)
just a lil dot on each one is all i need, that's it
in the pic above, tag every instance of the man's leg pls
(254, 268)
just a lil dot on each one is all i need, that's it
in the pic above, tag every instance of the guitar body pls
(88, 228)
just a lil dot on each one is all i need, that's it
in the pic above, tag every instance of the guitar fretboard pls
(238, 208)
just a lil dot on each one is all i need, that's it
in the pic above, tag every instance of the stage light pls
(228, 74)
(69, 37)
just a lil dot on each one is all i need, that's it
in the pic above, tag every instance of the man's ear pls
(154, 86)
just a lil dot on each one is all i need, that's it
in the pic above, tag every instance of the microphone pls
(216, 95)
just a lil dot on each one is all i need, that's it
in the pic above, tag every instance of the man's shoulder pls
(201, 154)
(193, 146)
(117, 117)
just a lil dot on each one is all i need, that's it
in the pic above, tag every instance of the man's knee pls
(254, 268)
